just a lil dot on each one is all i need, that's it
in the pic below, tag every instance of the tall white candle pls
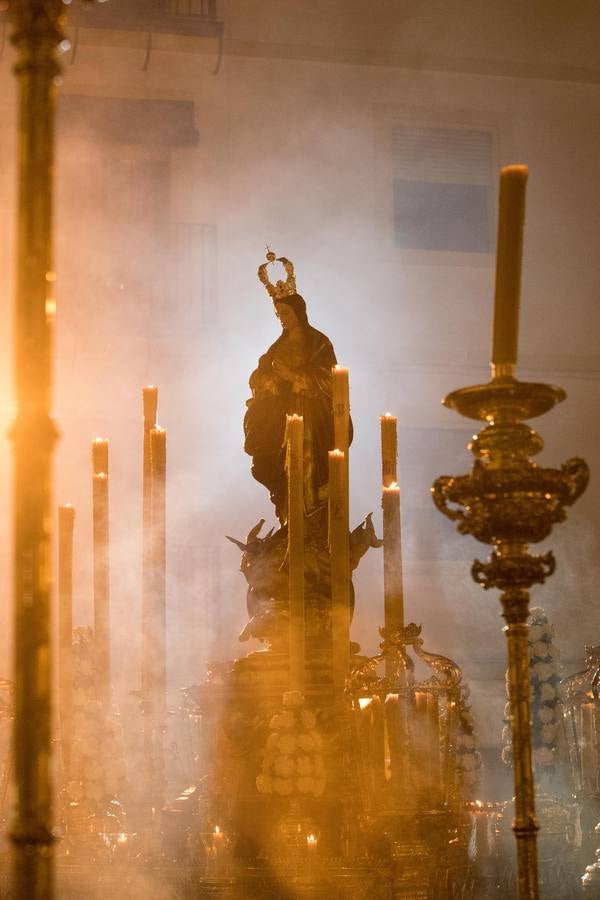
(295, 469)
(339, 550)
(511, 220)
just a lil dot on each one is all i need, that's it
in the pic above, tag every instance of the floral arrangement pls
(546, 708)
(468, 759)
(292, 763)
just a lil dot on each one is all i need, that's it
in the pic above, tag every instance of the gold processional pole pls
(66, 520)
(509, 501)
(37, 33)
(100, 518)
(295, 469)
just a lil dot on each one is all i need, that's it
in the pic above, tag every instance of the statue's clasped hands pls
(282, 371)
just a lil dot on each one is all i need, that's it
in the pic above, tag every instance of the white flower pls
(264, 784)
(544, 671)
(548, 733)
(319, 766)
(546, 715)
(541, 648)
(306, 785)
(288, 719)
(319, 787)
(536, 633)
(308, 719)
(304, 766)
(283, 766)
(283, 786)
(287, 743)
(268, 760)
(272, 741)
(544, 756)
(282, 720)
(547, 692)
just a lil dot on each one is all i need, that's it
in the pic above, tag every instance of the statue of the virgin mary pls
(293, 376)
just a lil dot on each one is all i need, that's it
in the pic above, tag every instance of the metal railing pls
(197, 18)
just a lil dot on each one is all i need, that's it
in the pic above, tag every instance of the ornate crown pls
(280, 289)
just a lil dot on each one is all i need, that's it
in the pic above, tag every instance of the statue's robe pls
(308, 396)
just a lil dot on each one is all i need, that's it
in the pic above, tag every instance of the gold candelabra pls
(37, 34)
(509, 501)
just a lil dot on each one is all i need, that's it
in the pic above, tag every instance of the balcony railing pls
(195, 18)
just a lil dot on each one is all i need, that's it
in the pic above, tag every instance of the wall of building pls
(164, 210)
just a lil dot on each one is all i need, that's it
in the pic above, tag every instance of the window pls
(442, 188)
(193, 272)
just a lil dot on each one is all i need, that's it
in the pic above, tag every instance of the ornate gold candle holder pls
(509, 501)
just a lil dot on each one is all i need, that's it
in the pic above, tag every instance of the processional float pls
(313, 753)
